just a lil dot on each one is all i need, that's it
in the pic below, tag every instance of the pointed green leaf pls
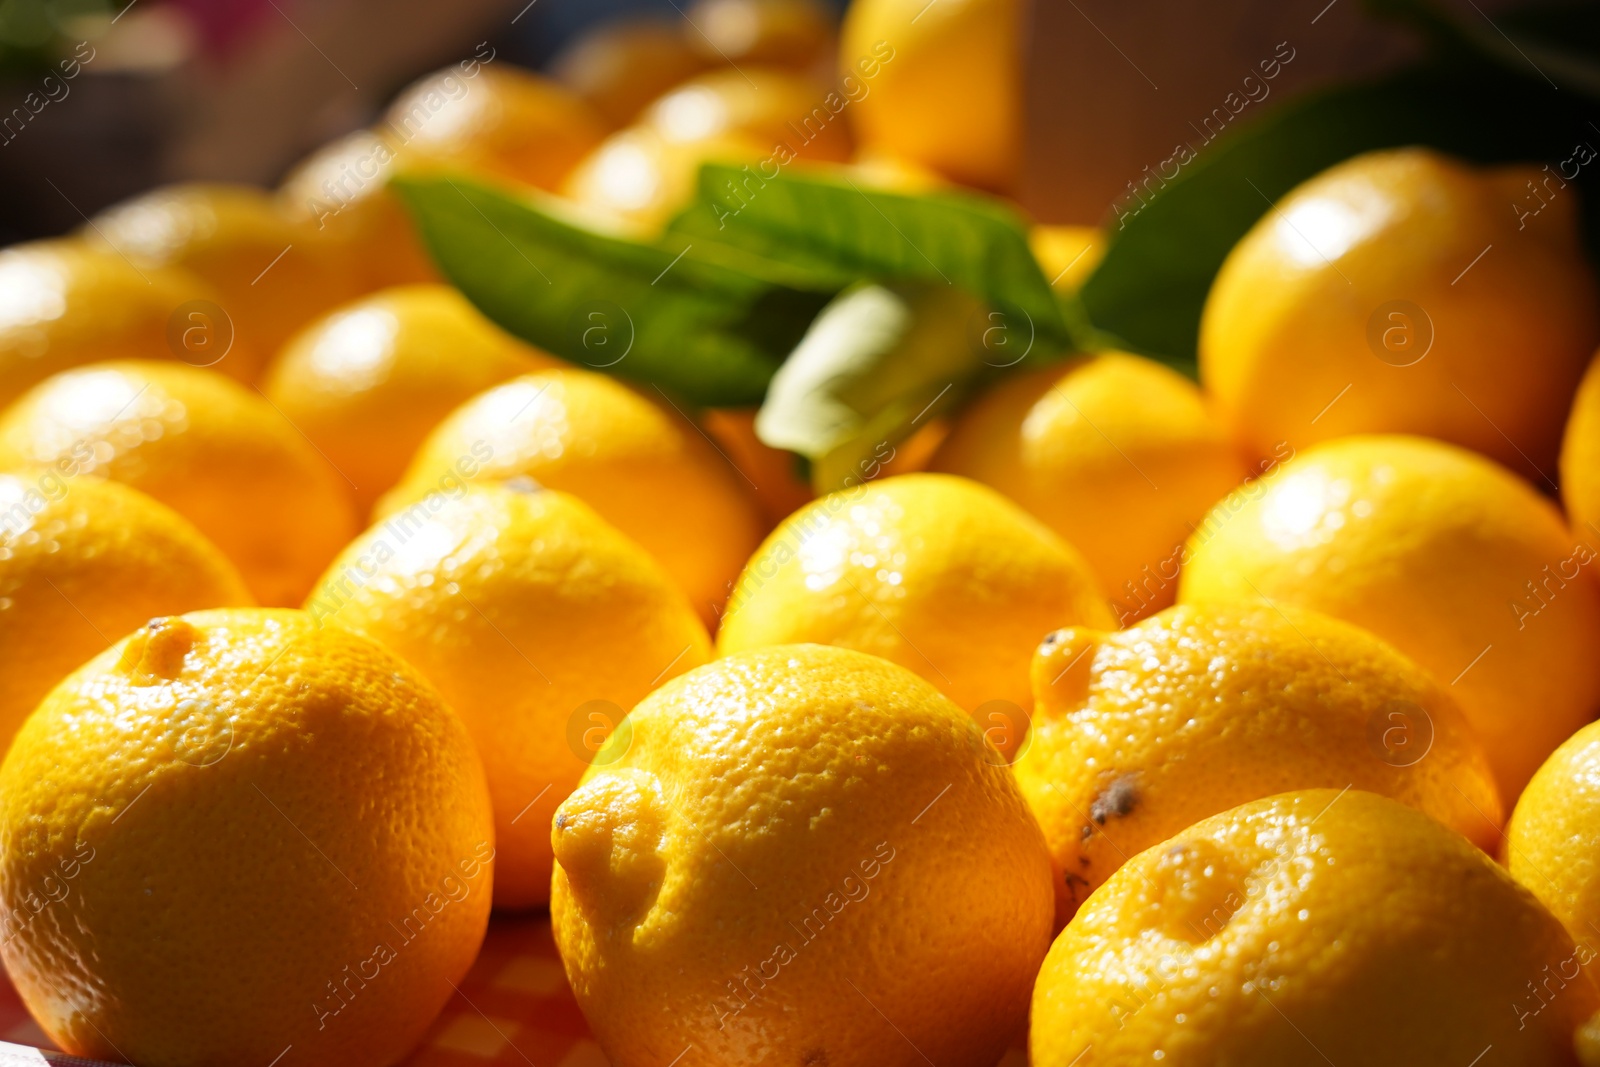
(839, 227)
(707, 323)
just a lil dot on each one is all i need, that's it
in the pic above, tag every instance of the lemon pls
(763, 118)
(637, 179)
(342, 191)
(804, 854)
(1142, 732)
(538, 622)
(935, 573)
(368, 381)
(1580, 459)
(771, 107)
(1382, 296)
(83, 562)
(644, 467)
(1450, 558)
(1315, 926)
(1117, 454)
(1067, 254)
(774, 475)
(234, 834)
(68, 304)
(789, 33)
(943, 84)
(273, 272)
(1556, 824)
(206, 447)
(500, 122)
(621, 65)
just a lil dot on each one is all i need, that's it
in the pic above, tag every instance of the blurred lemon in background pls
(1387, 294)
(766, 118)
(539, 623)
(638, 178)
(786, 33)
(943, 84)
(206, 447)
(771, 107)
(501, 122)
(1449, 557)
(1551, 842)
(367, 382)
(1313, 922)
(231, 811)
(1141, 732)
(1117, 454)
(773, 474)
(645, 468)
(83, 562)
(896, 175)
(939, 574)
(1580, 459)
(1067, 254)
(781, 825)
(341, 189)
(272, 273)
(621, 65)
(67, 303)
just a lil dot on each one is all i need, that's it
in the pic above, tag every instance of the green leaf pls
(875, 364)
(1149, 289)
(841, 229)
(707, 323)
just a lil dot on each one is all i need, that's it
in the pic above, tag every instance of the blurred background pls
(239, 90)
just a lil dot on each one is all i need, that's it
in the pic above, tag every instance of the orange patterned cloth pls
(514, 1009)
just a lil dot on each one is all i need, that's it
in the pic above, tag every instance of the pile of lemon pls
(1119, 718)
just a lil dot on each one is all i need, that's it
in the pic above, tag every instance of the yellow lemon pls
(342, 190)
(763, 118)
(206, 447)
(1580, 459)
(539, 623)
(368, 381)
(1067, 254)
(1550, 844)
(68, 304)
(273, 272)
(938, 574)
(645, 468)
(788, 33)
(235, 834)
(501, 121)
(636, 180)
(773, 474)
(1315, 926)
(1383, 296)
(83, 562)
(802, 854)
(773, 108)
(621, 65)
(1142, 732)
(1117, 454)
(1445, 555)
(886, 171)
(943, 84)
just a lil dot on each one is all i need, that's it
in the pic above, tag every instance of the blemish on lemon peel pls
(155, 654)
(1117, 799)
